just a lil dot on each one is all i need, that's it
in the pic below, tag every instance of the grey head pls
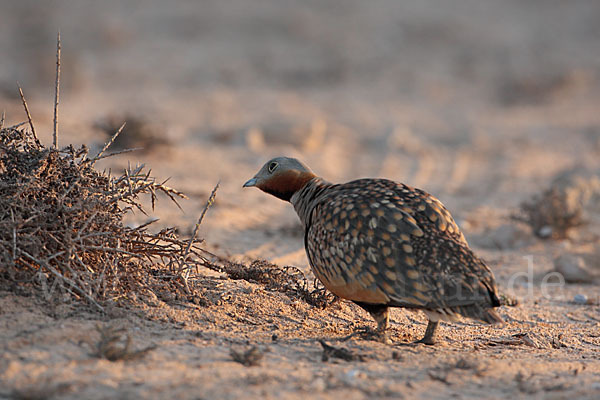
(281, 177)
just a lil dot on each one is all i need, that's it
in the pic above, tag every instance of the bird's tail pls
(476, 312)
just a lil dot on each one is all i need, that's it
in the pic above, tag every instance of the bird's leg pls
(381, 315)
(429, 333)
(382, 318)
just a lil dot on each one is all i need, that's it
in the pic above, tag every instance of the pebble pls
(545, 231)
(573, 268)
(580, 299)
(319, 385)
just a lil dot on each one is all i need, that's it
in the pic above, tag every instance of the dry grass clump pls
(289, 280)
(540, 88)
(114, 344)
(250, 358)
(553, 213)
(61, 225)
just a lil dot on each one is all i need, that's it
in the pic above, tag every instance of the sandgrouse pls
(384, 244)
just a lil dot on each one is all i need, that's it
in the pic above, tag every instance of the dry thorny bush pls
(565, 205)
(551, 214)
(62, 231)
(61, 222)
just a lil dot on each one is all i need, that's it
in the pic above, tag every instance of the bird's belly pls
(357, 289)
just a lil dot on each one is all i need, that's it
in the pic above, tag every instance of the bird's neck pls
(284, 185)
(305, 198)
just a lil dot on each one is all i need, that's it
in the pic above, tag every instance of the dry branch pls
(209, 202)
(28, 113)
(107, 145)
(56, 93)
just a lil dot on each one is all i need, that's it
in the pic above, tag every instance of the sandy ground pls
(482, 103)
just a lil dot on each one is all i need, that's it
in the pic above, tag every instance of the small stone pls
(573, 269)
(580, 299)
(545, 231)
(318, 385)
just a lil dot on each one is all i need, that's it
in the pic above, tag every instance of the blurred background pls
(480, 102)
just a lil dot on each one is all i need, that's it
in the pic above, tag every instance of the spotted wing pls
(379, 242)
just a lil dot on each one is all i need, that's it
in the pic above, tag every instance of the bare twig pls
(2, 119)
(129, 182)
(56, 92)
(118, 152)
(14, 248)
(209, 202)
(107, 145)
(28, 114)
(15, 126)
(144, 225)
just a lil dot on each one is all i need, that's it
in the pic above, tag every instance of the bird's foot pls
(427, 341)
(366, 333)
(383, 337)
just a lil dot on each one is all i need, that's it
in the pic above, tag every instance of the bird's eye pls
(272, 166)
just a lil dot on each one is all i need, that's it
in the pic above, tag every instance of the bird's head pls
(281, 177)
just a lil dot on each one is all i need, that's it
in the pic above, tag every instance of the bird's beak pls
(250, 183)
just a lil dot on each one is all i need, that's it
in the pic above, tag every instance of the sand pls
(481, 103)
